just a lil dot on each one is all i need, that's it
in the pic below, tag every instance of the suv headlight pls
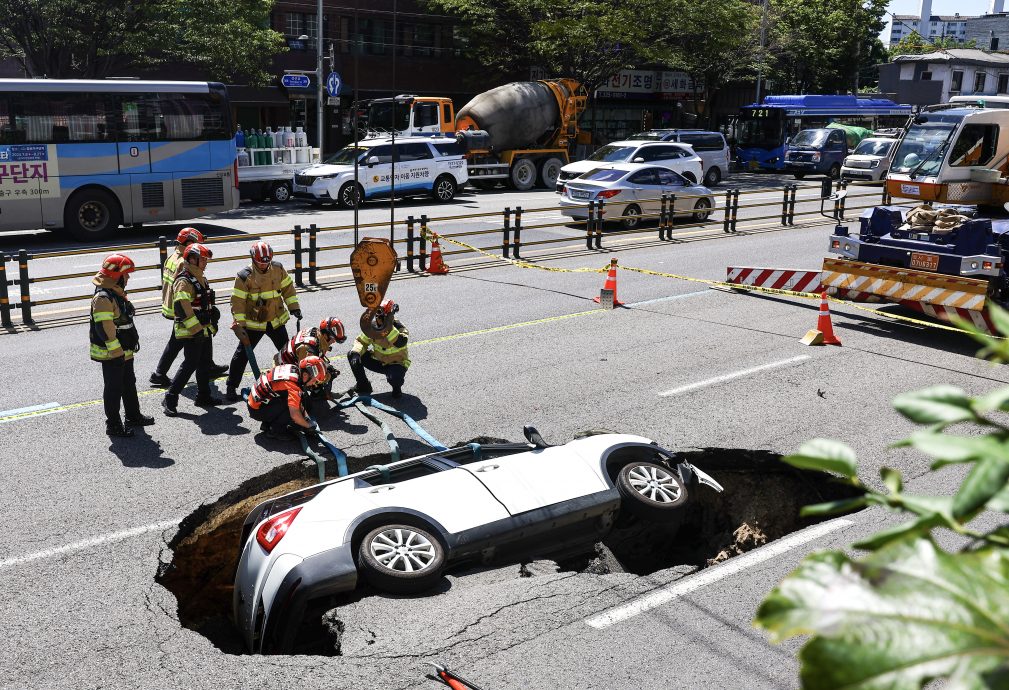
(874, 164)
(327, 177)
(816, 157)
(847, 163)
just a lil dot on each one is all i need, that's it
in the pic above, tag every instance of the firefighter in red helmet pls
(277, 399)
(317, 341)
(114, 341)
(196, 320)
(262, 302)
(159, 378)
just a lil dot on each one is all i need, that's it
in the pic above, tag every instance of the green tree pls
(227, 40)
(912, 611)
(587, 40)
(819, 46)
(715, 42)
(914, 44)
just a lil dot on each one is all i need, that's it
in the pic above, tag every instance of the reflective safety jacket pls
(193, 303)
(112, 331)
(389, 349)
(263, 299)
(284, 380)
(304, 343)
(168, 276)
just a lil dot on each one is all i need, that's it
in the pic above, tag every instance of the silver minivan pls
(710, 146)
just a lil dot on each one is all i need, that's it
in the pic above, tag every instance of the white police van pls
(423, 165)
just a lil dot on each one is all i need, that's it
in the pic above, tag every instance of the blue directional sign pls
(333, 83)
(295, 81)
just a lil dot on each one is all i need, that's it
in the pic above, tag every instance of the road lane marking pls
(733, 375)
(33, 411)
(88, 543)
(670, 298)
(52, 408)
(714, 574)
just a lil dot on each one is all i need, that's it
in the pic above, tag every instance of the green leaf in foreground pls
(935, 405)
(897, 618)
(826, 455)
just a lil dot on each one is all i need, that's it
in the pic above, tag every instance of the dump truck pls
(519, 133)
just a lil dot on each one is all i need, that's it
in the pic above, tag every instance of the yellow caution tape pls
(714, 284)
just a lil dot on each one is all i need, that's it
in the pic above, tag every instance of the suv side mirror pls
(371, 160)
(639, 159)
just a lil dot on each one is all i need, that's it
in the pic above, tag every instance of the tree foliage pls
(818, 46)
(910, 611)
(914, 44)
(226, 40)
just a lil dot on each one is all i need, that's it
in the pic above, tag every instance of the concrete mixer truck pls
(519, 133)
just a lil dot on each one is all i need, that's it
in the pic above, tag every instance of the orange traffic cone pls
(823, 334)
(437, 265)
(608, 296)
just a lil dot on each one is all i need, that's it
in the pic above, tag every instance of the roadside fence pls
(507, 234)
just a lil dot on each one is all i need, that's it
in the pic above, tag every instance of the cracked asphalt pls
(82, 609)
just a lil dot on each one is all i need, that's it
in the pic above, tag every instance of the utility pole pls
(319, 77)
(357, 154)
(392, 191)
(763, 38)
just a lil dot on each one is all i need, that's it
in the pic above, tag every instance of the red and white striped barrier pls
(775, 278)
(936, 311)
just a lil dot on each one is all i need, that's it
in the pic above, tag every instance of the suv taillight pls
(273, 530)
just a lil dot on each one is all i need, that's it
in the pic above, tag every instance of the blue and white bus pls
(91, 155)
(763, 129)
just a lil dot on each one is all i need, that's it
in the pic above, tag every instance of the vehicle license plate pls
(575, 194)
(924, 262)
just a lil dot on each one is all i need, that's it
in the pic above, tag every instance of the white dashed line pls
(733, 375)
(88, 543)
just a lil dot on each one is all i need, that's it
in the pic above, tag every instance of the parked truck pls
(519, 133)
(948, 257)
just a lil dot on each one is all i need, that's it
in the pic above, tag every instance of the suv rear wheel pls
(444, 189)
(401, 559)
(713, 176)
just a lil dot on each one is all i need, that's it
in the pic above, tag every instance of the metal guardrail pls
(307, 261)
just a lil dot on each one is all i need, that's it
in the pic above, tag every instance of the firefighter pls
(386, 355)
(159, 378)
(114, 341)
(196, 320)
(317, 341)
(277, 399)
(261, 303)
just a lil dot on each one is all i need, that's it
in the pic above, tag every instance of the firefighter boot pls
(160, 380)
(207, 400)
(139, 420)
(397, 392)
(116, 429)
(171, 404)
(233, 396)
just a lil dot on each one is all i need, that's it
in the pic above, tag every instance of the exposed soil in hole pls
(761, 503)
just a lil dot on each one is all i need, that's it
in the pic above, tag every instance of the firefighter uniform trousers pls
(174, 345)
(113, 341)
(260, 302)
(194, 328)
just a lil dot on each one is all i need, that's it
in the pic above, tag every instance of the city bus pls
(89, 156)
(763, 129)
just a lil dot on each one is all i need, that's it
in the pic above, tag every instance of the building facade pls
(960, 71)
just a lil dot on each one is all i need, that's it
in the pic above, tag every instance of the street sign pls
(295, 81)
(333, 82)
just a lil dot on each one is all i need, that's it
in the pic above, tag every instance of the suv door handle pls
(487, 468)
(379, 489)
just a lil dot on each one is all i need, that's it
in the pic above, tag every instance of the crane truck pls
(949, 259)
(519, 133)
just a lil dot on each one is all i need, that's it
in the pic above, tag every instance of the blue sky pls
(941, 6)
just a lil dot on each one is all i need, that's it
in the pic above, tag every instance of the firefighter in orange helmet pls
(277, 400)
(262, 302)
(114, 341)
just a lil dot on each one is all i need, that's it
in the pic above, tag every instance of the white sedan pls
(398, 526)
(632, 192)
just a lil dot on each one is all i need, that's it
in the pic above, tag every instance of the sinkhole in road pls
(761, 502)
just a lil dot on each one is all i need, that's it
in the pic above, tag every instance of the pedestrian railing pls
(503, 238)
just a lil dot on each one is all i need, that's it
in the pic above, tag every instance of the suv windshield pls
(346, 156)
(813, 138)
(873, 147)
(923, 147)
(613, 154)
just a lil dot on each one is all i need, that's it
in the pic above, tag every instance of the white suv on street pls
(677, 157)
(870, 160)
(710, 146)
(423, 165)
